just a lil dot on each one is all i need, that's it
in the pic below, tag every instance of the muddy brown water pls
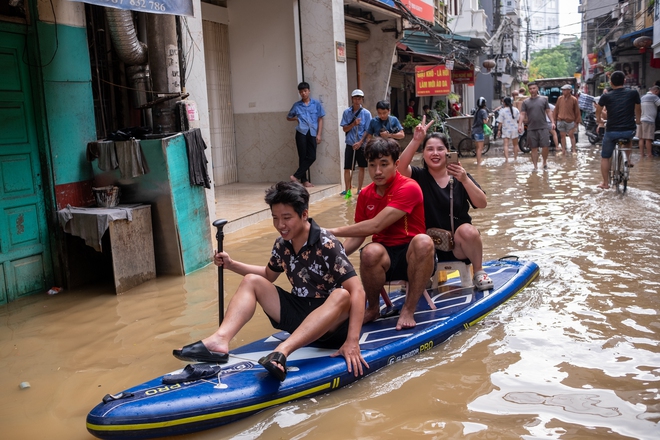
(575, 355)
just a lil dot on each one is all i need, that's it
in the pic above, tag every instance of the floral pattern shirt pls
(320, 267)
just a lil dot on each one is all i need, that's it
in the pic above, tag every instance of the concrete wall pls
(67, 93)
(263, 58)
(376, 58)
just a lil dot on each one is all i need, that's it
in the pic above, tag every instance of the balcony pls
(441, 14)
(471, 23)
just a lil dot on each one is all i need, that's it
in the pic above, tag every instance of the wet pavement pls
(575, 355)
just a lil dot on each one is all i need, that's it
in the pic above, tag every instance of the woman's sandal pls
(273, 368)
(482, 281)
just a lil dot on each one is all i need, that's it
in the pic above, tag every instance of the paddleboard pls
(243, 387)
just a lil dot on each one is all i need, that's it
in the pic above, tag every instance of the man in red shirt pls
(391, 210)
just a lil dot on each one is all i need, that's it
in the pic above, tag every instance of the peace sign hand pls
(421, 129)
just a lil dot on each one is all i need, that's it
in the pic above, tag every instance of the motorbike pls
(591, 128)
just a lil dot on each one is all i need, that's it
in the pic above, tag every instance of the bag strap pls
(451, 204)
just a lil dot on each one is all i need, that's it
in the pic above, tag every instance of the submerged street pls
(575, 355)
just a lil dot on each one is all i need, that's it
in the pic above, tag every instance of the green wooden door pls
(25, 265)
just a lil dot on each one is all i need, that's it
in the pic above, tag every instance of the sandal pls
(482, 281)
(198, 352)
(191, 373)
(272, 362)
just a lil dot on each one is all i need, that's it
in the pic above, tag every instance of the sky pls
(569, 18)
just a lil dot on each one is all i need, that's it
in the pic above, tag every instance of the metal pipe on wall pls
(164, 63)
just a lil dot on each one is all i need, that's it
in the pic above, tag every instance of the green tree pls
(548, 63)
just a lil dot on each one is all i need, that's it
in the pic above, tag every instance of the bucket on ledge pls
(106, 196)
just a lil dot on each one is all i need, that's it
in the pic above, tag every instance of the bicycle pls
(467, 147)
(619, 168)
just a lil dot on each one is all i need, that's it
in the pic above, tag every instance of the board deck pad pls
(244, 387)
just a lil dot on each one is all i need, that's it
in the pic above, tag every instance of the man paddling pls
(326, 304)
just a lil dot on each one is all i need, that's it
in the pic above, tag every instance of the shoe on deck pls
(198, 352)
(273, 368)
(482, 281)
(191, 373)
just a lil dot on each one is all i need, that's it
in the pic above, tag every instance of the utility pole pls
(527, 37)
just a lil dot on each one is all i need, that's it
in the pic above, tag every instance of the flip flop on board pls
(273, 368)
(198, 352)
(191, 373)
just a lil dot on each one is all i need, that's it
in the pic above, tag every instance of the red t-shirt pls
(404, 194)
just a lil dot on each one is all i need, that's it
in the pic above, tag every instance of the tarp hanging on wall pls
(171, 7)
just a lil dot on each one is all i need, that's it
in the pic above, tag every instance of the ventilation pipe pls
(164, 60)
(124, 38)
(131, 51)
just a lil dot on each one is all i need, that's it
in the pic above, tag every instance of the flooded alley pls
(575, 355)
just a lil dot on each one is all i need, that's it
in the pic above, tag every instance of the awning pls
(424, 43)
(632, 35)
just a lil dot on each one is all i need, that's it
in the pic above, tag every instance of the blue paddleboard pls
(244, 387)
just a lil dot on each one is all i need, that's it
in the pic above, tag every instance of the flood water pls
(575, 355)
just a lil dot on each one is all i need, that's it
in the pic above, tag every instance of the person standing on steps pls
(354, 122)
(308, 113)
(534, 111)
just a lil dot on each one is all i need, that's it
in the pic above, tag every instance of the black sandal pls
(191, 373)
(278, 359)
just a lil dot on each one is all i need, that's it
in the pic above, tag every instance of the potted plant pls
(410, 123)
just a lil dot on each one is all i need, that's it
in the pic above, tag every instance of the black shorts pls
(398, 270)
(359, 158)
(293, 311)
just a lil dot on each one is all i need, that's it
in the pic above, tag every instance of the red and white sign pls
(423, 9)
(432, 80)
(462, 76)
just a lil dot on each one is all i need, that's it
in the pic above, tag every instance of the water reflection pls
(575, 355)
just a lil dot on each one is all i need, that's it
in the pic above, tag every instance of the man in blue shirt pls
(355, 121)
(308, 113)
(384, 125)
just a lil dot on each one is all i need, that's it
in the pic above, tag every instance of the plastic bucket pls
(106, 196)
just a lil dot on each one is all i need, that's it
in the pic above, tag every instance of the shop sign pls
(170, 7)
(432, 80)
(423, 9)
(462, 76)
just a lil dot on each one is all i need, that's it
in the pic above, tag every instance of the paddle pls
(220, 236)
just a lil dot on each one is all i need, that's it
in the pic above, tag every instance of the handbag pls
(487, 130)
(443, 240)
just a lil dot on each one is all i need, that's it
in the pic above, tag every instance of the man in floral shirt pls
(326, 303)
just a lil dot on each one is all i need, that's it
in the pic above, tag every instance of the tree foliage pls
(557, 62)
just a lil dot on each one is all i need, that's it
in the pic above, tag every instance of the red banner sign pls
(423, 9)
(462, 76)
(432, 80)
